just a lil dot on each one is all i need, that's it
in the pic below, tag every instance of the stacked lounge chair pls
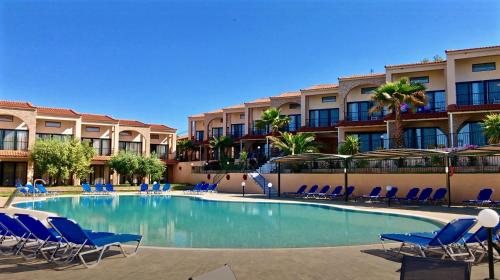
(374, 194)
(412, 195)
(300, 191)
(335, 193)
(484, 197)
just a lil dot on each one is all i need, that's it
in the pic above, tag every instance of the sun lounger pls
(410, 196)
(166, 187)
(84, 243)
(144, 188)
(86, 189)
(99, 189)
(391, 194)
(299, 192)
(424, 195)
(374, 194)
(484, 197)
(41, 188)
(439, 195)
(323, 191)
(441, 242)
(15, 231)
(413, 268)
(22, 190)
(196, 188)
(32, 190)
(109, 187)
(204, 187)
(335, 193)
(155, 189)
(313, 191)
(45, 238)
(212, 188)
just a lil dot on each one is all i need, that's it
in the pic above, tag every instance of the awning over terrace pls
(488, 150)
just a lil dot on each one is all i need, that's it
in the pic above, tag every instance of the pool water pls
(186, 222)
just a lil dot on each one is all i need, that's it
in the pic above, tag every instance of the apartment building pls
(460, 91)
(21, 123)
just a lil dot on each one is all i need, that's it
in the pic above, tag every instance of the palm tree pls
(293, 144)
(395, 95)
(184, 147)
(272, 118)
(350, 146)
(491, 127)
(220, 143)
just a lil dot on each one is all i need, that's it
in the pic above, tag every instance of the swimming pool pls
(187, 222)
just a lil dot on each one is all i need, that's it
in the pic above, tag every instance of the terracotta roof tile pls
(288, 94)
(98, 118)
(260, 100)
(161, 127)
(16, 104)
(132, 123)
(14, 154)
(472, 49)
(239, 106)
(416, 64)
(361, 76)
(322, 86)
(58, 112)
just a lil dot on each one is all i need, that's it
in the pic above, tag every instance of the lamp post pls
(269, 187)
(388, 189)
(489, 219)
(243, 184)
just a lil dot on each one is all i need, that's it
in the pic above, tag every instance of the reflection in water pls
(192, 222)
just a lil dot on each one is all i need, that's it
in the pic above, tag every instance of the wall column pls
(451, 88)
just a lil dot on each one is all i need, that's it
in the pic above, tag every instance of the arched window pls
(471, 133)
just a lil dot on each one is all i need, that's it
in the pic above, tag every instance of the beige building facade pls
(22, 123)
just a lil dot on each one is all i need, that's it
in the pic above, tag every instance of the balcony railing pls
(259, 131)
(100, 151)
(236, 133)
(321, 122)
(475, 138)
(14, 145)
(363, 116)
(468, 99)
(433, 107)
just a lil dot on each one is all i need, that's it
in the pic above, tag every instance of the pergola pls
(488, 150)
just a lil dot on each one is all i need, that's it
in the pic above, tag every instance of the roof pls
(197, 116)
(362, 76)
(132, 123)
(16, 104)
(14, 154)
(322, 86)
(473, 49)
(161, 127)
(288, 94)
(239, 106)
(57, 112)
(218, 111)
(260, 100)
(416, 64)
(98, 118)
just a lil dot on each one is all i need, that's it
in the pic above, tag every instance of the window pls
(323, 117)
(242, 116)
(155, 136)
(199, 135)
(92, 129)
(490, 66)
(360, 111)
(425, 138)
(471, 133)
(102, 147)
(216, 132)
(237, 130)
(126, 133)
(368, 90)
(13, 139)
(161, 150)
(130, 147)
(419, 80)
(294, 106)
(371, 141)
(294, 124)
(60, 137)
(52, 124)
(436, 102)
(6, 118)
(478, 93)
(327, 99)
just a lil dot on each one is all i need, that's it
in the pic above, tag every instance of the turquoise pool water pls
(171, 221)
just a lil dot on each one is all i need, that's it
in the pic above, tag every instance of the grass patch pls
(181, 187)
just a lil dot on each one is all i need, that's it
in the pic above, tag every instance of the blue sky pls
(160, 61)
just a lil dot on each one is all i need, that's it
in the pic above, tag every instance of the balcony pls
(432, 107)
(259, 131)
(14, 145)
(321, 122)
(100, 151)
(363, 116)
(466, 99)
(235, 134)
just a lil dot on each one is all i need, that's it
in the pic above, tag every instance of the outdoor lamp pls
(269, 186)
(489, 219)
(192, 164)
(243, 184)
(388, 189)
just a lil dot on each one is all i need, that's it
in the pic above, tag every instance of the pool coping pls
(224, 198)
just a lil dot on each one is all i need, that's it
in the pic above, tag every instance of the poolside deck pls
(350, 262)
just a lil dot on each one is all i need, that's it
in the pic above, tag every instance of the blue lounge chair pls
(313, 191)
(204, 187)
(350, 191)
(439, 195)
(22, 189)
(323, 191)
(99, 189)
(144, 188)
(374, 194)
(391, 194)
(41, 188)
(196, 188)
(335, 193)
(299, 192)
(42, 235)
(98, 242)
(32, 190)
(410, 196)
(166, 187)
(443, 240)
(109, 188)
(156, 188)
(86, 189)
(425, 194)
(212, 188)
(16, 231)
(484, 197)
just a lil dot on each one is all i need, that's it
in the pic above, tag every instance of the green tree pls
(126, 164)
(350, 146)
(491, 126)
(395, 95)
(273, 119)
(185, 147)
(220, 144)
(150, 166)
(61, 159)
(437, 58)
(293, 144)
(243, 159)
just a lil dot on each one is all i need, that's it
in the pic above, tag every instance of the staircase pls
(261, 181)
(267, 167)
(218, 177)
